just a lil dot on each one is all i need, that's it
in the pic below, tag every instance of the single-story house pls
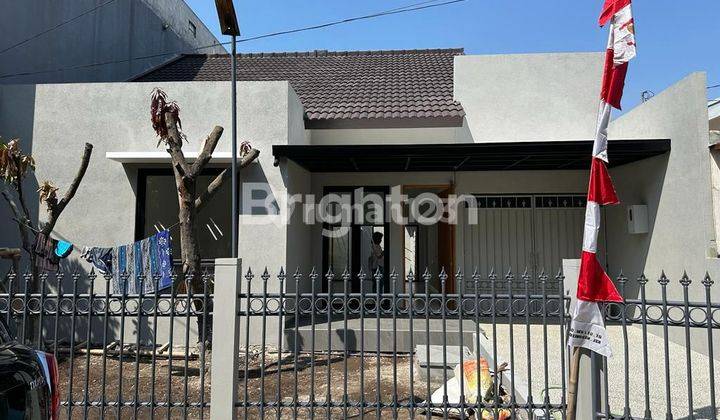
(512, 131)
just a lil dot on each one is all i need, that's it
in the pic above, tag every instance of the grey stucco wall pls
(54, 121)
(676, 187)
(677, 190)
(118, 31)
(525, 97)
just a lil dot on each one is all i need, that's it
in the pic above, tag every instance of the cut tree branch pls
(206, 153)
(57, 209)
(174, 142)
(70, 193)
(216, 183)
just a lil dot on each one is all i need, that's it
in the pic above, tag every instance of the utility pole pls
(229, 26)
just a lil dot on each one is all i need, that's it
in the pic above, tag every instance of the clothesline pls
(127, 265)
(79, 247)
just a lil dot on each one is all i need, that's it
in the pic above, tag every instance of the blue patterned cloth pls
(164, 256)
(139, 265)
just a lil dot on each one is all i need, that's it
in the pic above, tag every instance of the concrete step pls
(435, 366)
(397, 338)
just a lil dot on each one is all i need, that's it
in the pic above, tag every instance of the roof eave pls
(359, 123)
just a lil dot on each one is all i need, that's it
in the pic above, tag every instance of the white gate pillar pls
(225, 338)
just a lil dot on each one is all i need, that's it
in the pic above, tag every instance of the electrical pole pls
(229, 26)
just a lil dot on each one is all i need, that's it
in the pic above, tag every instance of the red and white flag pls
(587, 328)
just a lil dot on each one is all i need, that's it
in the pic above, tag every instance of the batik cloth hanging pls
(137, 266)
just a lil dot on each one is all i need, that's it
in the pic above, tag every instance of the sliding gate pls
(518, 232)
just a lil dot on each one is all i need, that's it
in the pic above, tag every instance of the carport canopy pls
(545, 155)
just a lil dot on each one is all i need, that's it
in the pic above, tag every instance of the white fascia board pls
(162, 157)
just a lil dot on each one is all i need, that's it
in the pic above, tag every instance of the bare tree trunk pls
(190, 203)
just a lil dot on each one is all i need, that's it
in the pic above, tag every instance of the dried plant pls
(48, 194)
(245, 148)
(13, 163)
(159, 106)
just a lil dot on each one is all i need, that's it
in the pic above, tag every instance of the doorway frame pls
(355, 237)
(447, 189)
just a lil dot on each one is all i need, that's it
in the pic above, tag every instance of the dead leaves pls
(48, 194)
(13, 163)
(159, 106)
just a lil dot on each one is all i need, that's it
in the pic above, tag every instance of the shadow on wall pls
(257, 193)
(17, 119)
(113, 35)
(72, 283)
(627, 252)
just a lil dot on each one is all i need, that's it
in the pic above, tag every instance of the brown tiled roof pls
(353, 85)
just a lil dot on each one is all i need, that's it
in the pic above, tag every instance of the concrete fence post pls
(225, 341)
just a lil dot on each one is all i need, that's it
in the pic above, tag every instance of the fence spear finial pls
(426, 275)
(685, 280)
(707, 281)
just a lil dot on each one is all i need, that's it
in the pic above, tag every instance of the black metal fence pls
(120, 355)
(369, 378)
(312, 347)
(664, 348)
(665, 364)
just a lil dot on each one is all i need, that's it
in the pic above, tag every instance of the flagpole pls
(572, 385)
(594, 285)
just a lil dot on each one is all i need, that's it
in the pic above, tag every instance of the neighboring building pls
(102, 41)
(714, 114)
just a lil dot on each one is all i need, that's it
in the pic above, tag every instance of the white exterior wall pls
(714, 114)
(675, 186)
(425, 135)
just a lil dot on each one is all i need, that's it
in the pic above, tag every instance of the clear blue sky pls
(675, 37)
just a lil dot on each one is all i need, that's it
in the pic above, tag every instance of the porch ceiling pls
(548, 155)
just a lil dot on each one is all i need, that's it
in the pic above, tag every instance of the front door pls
(360, 241)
